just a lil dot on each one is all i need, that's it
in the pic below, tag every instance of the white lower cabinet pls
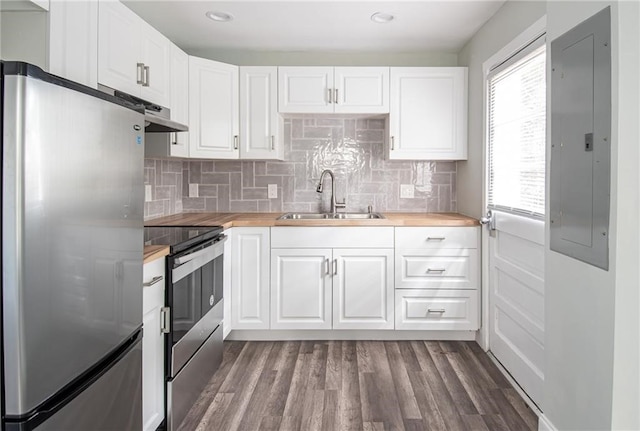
(152, 345)
(250, 278)
(319, 282)
(301, 289)
(363, 289)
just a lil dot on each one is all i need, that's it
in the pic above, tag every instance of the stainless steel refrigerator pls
(72, 238)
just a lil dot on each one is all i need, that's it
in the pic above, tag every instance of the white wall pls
(307, 58)
(511, 20)
(591, 344)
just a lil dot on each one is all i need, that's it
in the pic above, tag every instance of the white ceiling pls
(312, 25)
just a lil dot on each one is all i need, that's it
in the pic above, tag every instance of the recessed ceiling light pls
(219, 16)
(381, 17)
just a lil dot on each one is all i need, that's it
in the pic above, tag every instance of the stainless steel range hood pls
(157, 118)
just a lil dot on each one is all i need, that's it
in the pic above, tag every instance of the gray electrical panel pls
(581, 141)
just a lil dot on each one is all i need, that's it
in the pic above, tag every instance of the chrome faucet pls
(334, 205)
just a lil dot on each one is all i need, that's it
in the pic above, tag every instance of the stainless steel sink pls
(331, 216)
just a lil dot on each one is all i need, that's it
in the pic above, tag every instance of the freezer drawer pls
(112, 402)
(188, 384)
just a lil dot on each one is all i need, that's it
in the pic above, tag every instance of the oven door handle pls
(185, 265)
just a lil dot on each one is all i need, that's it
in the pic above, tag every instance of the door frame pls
(537, 29)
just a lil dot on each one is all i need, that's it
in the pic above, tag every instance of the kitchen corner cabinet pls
(318, 281)
(133, 57)
(213, 109)
(259, 125)
(361, 90)
(250, 278)
(428, 113)
(152, 345)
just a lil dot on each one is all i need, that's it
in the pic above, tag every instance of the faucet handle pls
(370, 209)
(342, 204)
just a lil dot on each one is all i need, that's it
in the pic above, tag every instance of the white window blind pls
(517, 132)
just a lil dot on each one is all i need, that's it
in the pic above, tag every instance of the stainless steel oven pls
(192, 317)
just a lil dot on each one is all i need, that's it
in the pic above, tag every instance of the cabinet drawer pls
(437, 310)
(437, 237)
(441, 269)
(152, 283)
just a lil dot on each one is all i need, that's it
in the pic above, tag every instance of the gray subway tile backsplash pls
(352, 147)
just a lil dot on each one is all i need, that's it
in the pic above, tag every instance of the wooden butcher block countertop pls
(228, 220)
(153, 252)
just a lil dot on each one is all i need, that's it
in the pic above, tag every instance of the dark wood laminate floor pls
(358, 385)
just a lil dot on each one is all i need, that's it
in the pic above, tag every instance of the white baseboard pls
(516, 386)
(545, 424)
(288, 335)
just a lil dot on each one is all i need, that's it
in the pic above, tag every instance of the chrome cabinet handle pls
(335, 96)
(139, 73)
(153, 281)
(435, 270)
(436, 238)
(327, 266)
(329, 93)
(235, 142)
(273, 142)
(174, 138)
(165, 320)
(392, 143)
(335, 266)
(146, 77)
(436, 310)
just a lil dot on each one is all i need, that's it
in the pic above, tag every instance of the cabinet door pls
(305, 89)
(73, 41)
(300, 289)
(152, 347)
(363, 289)
(259, 113)
(361, 90)
(250, 278)
(213, 109)
(428, 113)
(119, 47)
(179, 100)
(156, 56)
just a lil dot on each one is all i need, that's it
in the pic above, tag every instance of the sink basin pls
(331, 216)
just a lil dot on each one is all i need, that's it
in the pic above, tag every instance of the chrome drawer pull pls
(153, 281)
(165, 320)
(436, 310)
(335, 266)
(435, 238)
(435, 270)
(328, 266)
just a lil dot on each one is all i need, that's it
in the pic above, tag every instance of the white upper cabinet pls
(132, 56)
(213, 109)
(361, 90)
(179, 100)
(73, 41)
(305, 89)
(259, 125)
(428, 115)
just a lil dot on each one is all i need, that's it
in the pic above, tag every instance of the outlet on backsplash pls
(407, 191)
(272, 191)
(193, 190)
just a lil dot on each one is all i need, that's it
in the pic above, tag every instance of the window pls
(517, 132)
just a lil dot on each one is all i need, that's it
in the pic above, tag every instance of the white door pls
(250, 278)
(259, 113)
(516, 197)
(361, 90)
(305, 89)
(301, 288)
(213, 109)
(363, 289)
